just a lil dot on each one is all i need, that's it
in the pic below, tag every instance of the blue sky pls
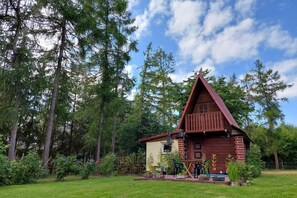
(224, 36)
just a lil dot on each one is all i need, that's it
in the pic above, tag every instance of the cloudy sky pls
(224, 36)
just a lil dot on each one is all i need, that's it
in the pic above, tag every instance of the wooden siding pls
(221, 146)
(211, 121)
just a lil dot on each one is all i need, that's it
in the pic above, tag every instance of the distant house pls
(206, 127)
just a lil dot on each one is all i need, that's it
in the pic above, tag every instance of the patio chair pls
(197, 169)
(178, 167)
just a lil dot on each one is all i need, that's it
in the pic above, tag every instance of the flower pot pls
(234, 183)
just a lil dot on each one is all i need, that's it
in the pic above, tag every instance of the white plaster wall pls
(154, 149)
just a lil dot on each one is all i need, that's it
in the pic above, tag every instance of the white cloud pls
(237, 42)
(129, 70)
(132, 4)
(185, 17)
(245, 8)
(131, 95)
(143, 21)
(211, 32)
(217, 17)
(281, 39)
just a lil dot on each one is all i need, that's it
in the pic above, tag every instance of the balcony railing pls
(211, 121)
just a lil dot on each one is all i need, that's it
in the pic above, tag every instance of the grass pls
(271, 184)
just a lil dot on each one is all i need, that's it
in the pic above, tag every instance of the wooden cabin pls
(206, 129)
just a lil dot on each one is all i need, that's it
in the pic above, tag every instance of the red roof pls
(157, 136)
(200, 81)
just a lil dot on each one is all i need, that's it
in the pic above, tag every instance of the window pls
(203, 108)
(166, 148)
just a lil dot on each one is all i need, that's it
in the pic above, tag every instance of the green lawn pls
(271, 184)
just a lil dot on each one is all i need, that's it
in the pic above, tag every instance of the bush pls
(88, 169)
(168, 158)
(245, 172)
(108, 165)
(66, 165)
(4, 170)
(233, 171)
(253, 159)
(27, 170)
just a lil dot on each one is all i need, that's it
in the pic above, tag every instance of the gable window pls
(203, 108)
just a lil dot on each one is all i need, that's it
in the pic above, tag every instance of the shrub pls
(27, 170)
(88, 169)
(168, 158)
(4, 170)
(245, 172)
(66, 165)
(108, 165)
(233, 171)
(253, 159)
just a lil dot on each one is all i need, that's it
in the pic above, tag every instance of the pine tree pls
(266, 85)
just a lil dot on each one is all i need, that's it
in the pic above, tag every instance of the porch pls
(200, 122)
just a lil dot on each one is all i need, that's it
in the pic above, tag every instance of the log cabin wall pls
(205, 103)
(221, 145)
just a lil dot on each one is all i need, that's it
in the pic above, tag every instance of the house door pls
(195, 149)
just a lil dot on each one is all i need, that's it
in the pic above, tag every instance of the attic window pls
(166, 148)
(203, 108)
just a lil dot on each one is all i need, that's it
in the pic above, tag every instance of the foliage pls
(132, 164)
(206, 166)
(65, 165)
(265, 84)
(287, 135)
(168, 158)
(233, 96)
(245, 172)
(28, 169)
(233, 171)
(5, 170)
(88, 169)
(253, 159)
(108, 165)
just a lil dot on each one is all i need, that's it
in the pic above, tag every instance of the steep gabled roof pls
(200, 81)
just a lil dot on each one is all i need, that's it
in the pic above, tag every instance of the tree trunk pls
(98, 149)
(15, 65)
(13, 134)
(72, 126)
(276, 162)
(49, 129)
(113, 135)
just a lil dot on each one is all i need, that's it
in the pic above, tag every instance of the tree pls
(17, 62)
(266, 85)
(61, 20)
(233, 96)
(106, 40)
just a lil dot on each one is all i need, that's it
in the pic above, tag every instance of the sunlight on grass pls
(271, 184)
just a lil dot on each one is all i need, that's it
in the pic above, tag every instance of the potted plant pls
(205, 166)
(233, 172)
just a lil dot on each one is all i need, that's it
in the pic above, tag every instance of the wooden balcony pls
(210, 121)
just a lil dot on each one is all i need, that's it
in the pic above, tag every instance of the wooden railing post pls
(204, 121)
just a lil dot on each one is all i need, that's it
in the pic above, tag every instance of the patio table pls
(190, 164)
